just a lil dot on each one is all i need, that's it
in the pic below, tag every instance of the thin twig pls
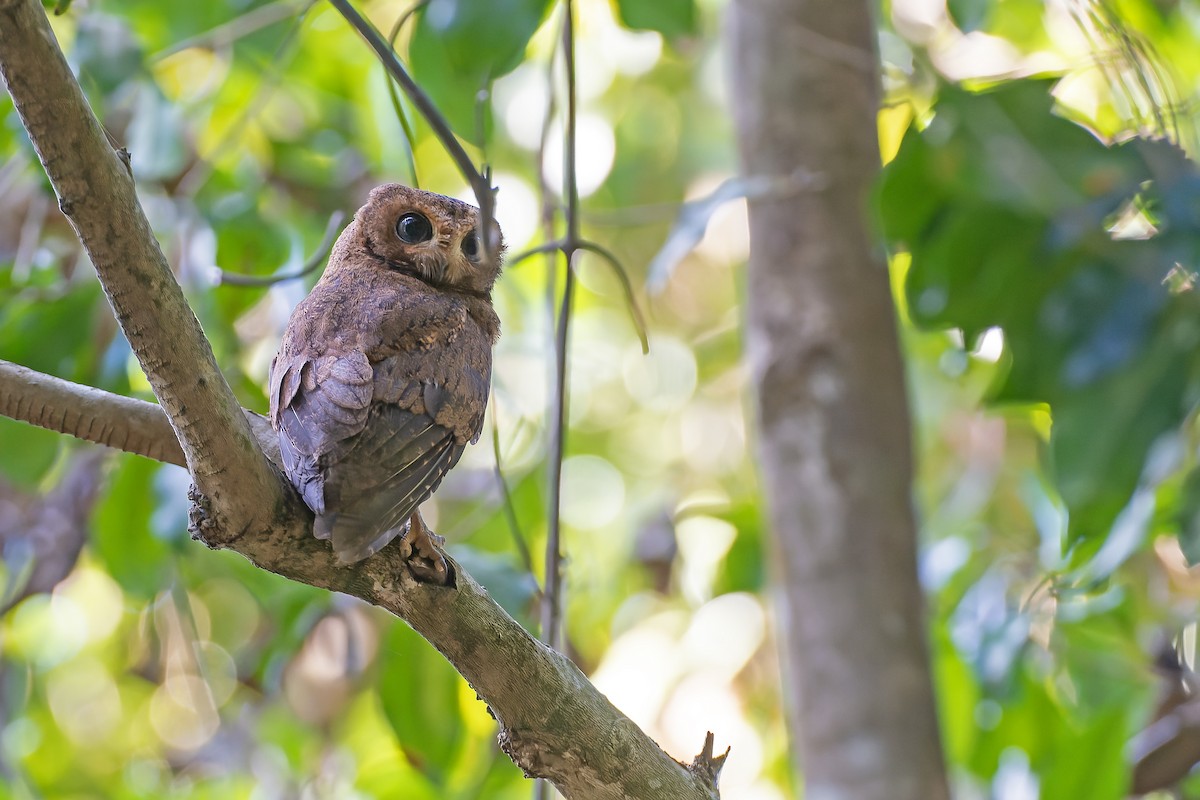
(482, 187)
(409, 134)
(224, 278)
(552, 600)
(552, 583)
(570, 179)
(639, 322)
(550, 247)
(552, 606)
(510, 509)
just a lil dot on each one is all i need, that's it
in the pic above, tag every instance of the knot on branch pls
(201, 523)
(706, 766)
(538, 758)
(526, 752)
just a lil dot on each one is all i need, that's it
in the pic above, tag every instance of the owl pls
(382, 376)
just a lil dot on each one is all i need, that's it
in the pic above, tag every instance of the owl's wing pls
(316, 405)
(361, 444)
(376, 481)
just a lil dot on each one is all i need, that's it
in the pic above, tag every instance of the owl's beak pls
(440, 270)
(434, 266)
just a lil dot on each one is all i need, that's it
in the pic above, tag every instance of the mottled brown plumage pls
(382, 376)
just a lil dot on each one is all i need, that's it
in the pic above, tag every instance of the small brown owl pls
(382, 376)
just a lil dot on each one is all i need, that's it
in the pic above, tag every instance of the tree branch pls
(94, 415)
(553, 721)
(96, 192)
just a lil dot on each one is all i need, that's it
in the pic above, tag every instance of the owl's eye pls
(414, 228)
(470, 246)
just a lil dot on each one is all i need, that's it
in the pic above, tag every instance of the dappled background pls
(1045, 286)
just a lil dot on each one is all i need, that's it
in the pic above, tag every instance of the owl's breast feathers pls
(378, 386)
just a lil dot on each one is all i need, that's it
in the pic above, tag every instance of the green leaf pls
(419, 691)
(51, 331)
(28, 452)
(969, 15)
(123, 539)
(1088, 759)
(1006, 209)
(458, 48)
(671, 18)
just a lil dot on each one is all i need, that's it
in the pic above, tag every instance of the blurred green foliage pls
(1008, 211)
(1044, 247)
(1045, 238)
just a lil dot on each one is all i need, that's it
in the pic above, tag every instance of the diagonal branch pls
(96, 192)
(481, 182)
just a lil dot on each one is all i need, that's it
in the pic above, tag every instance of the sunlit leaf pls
(27, 452)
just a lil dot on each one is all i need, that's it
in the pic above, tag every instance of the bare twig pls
(635, 313)
(550, 247)
(707, 766)
(552, 599)
(484, 194)
(552, 582)
(314, 261)
(410, 136)
(510, 510)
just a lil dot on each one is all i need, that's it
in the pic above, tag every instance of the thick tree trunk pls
(833, 415)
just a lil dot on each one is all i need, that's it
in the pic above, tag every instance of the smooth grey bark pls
(832, 410)
(553, 722)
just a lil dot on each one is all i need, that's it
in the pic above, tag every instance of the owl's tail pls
(354, 538)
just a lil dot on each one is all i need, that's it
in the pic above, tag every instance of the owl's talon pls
(427, 563)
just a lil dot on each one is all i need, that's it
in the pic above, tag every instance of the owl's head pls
(431, 237)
